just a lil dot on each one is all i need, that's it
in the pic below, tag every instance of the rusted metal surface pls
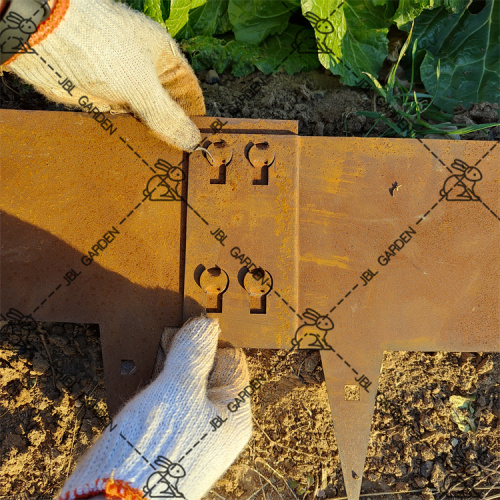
(247, 220)
(383, 268)
(438, 292)
(66, 183)
(69, 185)
(351, 263)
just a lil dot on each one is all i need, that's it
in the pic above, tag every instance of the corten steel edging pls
(84, 185)
(253, 224)
(418, 299)
(411, 298)
(66, 183)
(344, 218)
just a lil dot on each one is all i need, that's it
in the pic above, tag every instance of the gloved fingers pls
(230, 366)
(178, 79)
(166, 340)
(164, 116)
(229, 376)
(192, 352)
(154, 106)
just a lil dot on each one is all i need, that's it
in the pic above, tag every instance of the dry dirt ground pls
(52, 394)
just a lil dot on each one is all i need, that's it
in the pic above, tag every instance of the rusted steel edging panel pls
(387, 272)
(417, 296)
(87, 247)
(246, 126)
(51, 162)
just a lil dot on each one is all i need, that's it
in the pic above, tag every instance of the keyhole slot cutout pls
(258, 283)
(214, 282)
(256, 155)
(262, 178)
(218, 165)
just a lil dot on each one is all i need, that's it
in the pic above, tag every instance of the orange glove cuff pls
(45, 28)
(121, 490)
(113, 489)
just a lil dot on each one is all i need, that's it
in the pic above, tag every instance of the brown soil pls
(53, 403)
(52, 393)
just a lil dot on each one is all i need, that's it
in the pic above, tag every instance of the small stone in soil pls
(212, 77)
(438, 475)
(421, 482)
(426, 468)
(311, 363)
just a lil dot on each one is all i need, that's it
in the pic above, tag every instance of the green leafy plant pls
(299, 489)
(466, 47)
(462, 413)
(415, 110)
(457, 57)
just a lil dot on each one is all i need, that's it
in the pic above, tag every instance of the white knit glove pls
(162, 444)
(121, 60)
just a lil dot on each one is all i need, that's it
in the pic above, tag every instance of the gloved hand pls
(162, 441)
(121, 60)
